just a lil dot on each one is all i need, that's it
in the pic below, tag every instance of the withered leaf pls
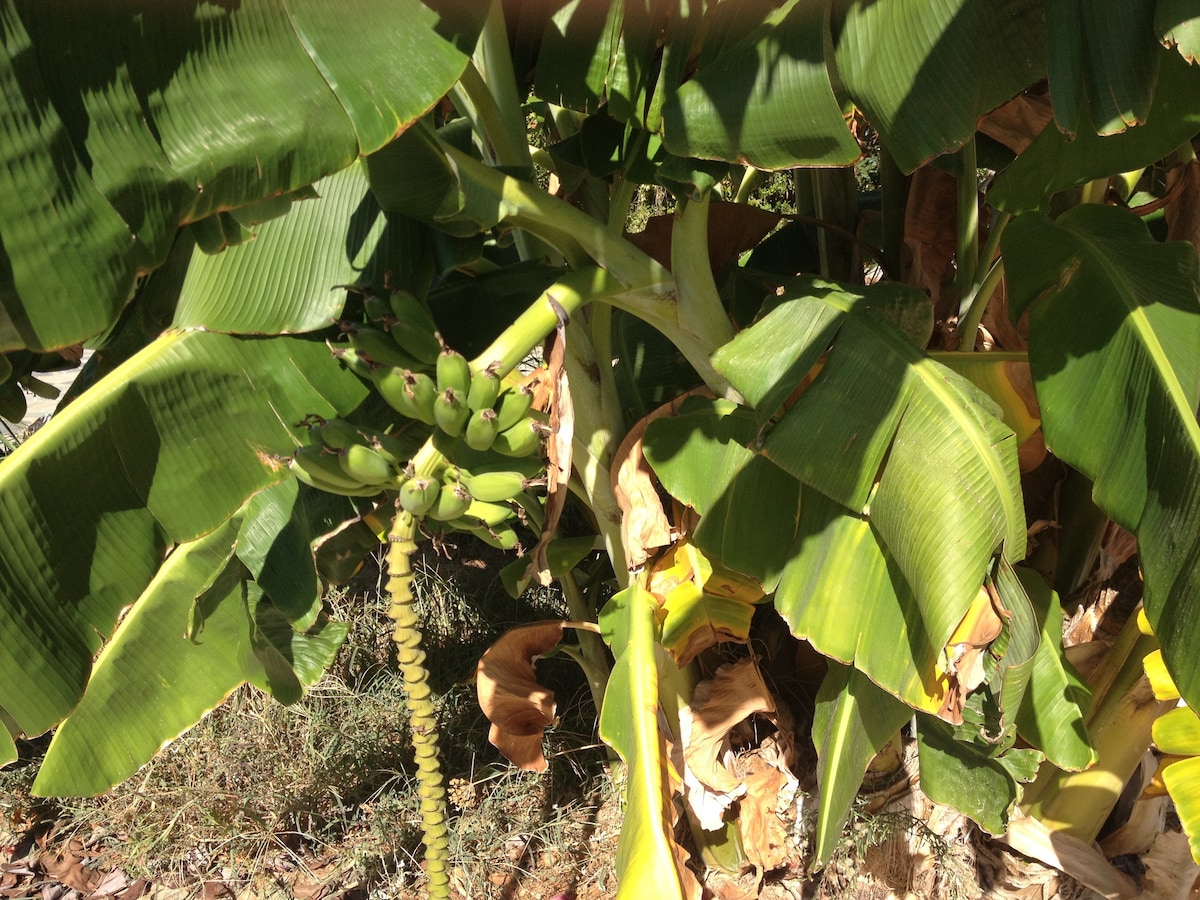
(509, 694)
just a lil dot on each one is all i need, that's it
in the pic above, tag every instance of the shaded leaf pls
(1114, 332)
(1054, 162)
(1176, 23)
(188, 641)
(171, 446)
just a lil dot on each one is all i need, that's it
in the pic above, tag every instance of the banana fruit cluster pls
(402, 334)
(486, 500)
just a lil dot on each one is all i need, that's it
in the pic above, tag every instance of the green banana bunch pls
(522, 439)
(453, 373)
(379, 347)
(360, 366)
(413, 328)
(338, 434)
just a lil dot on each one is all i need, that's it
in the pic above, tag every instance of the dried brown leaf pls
(509, 694)
(770, 788)
(931, 236)
(1016, 123)
(1183, 212)
(736, 692)
(644, 523)
(558, 449)
(733, 228)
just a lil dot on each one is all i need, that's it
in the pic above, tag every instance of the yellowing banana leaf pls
(1177, 733)
(1182, 779)
(1114, 332)
(1054, 162)
(747, 505)
(1004, 377)
(197, 632)
(922, 452)
(700, 607)
(181, 112)
(853, 721)
(293, 262)
(629, 723)
(159, 453)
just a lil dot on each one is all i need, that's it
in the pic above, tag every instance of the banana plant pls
(312, 251)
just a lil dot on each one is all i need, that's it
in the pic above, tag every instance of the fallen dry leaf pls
(763, 819)
(509, 694)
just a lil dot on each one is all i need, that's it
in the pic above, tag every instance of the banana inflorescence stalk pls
(422, 714)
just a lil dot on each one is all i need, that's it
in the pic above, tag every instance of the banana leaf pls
(158, 454)
(1114, 331)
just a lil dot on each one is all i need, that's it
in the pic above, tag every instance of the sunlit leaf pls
(922, 443)
(1114, 327)
(1183, 783)
(1051, 717)
(924, 72)
(853, 721)
(629, 724)
(747, 505)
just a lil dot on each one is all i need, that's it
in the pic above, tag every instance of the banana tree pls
(322, 246)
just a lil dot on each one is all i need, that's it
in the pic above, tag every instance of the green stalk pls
(968, 219)
(751, 179)
(565, 297)
(975, 301)
(835, 200)
(489, 122)
(700, 305)
(494, 63)
(593, 655)
(649, 288)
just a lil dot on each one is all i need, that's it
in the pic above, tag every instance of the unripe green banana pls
(450, 412)
(321, 470)
(361, 462)
(377, 309)
(491, 487)
(412, 328)
(377, 346)
(339, 434)
(348, 356)
(530, 467)
(490, 514)
(513, 405)
(453, 372)
(452, 501)
(531, 513)
(481, 429)
(409, 393)
(418, 495)
(485, 388)
(522, 439)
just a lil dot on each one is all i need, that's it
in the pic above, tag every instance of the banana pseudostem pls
(407, 635)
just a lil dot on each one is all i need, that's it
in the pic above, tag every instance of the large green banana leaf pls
(180, 112)
(920, 450)
(159, 453)
(1114, 346)
(198, 631)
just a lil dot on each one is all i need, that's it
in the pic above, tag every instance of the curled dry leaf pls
(764, 821)
(711, 782)
(1183, 212)
(509, 694)
(644, 523)
(965, 651)
(733, 228)
(1016, 123)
